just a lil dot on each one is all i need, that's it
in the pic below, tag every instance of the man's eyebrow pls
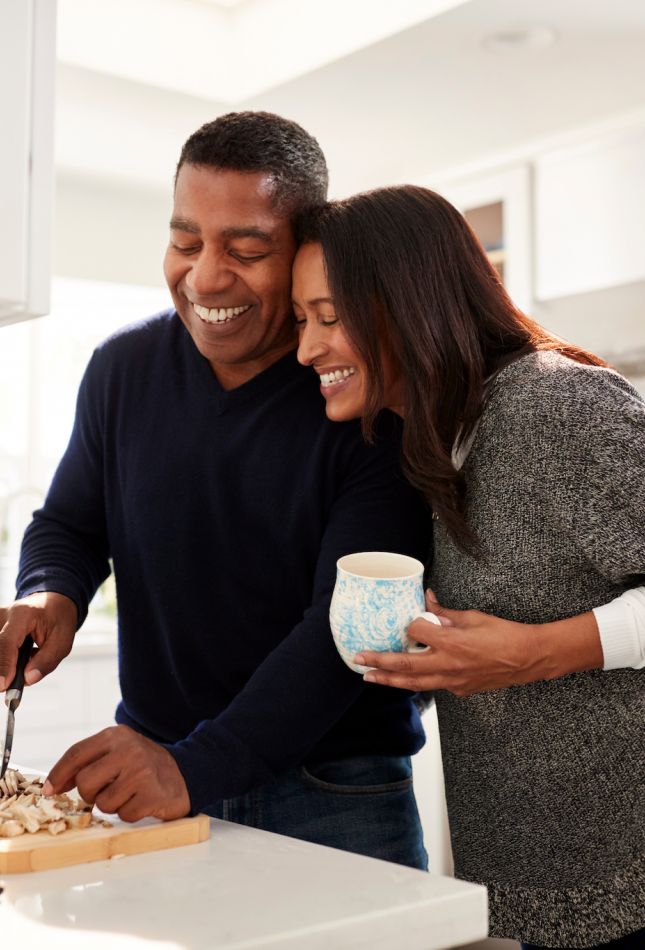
(249, 232)
(184, 224)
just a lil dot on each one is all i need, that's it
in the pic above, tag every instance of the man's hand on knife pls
(122, 773)
(51, 620)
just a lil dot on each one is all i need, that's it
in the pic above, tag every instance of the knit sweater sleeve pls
(303, 687)
(65, 547)
(589, 424)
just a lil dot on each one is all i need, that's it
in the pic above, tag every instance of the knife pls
(12, 699)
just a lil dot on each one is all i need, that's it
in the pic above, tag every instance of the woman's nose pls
(208, 275)
(310, 346)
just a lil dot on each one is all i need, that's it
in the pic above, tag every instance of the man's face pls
(228, 267)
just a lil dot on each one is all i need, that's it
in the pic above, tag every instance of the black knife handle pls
(24, 653)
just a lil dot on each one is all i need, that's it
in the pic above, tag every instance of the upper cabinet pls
(27, 70)
(498, 208)
(589, 214)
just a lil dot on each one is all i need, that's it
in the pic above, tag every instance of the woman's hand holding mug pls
(377, 596)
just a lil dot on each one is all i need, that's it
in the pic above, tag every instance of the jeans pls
(364, 804)
(635, 941)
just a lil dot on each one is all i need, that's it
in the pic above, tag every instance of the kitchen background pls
(528, 114)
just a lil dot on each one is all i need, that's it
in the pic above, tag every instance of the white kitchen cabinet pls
(589, 213)
(497, 205)
(27, 70)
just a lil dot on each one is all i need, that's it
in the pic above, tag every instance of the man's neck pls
(232, 375)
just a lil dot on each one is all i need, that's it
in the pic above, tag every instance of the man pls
(202, 464)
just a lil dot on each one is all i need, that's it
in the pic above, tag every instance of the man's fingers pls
(116, 796)
(8, 657)
(12, 634)
(134, 809)
(62, 778)
(55, 648)
(95, 779)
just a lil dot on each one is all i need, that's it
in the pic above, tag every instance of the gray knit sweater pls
(545, 782)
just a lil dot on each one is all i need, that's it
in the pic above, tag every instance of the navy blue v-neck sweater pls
(224, 513)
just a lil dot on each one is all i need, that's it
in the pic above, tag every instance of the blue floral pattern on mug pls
(373, 614)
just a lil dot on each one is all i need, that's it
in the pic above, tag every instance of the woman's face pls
(324, 345)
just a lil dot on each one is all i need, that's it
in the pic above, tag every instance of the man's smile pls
(219, 314)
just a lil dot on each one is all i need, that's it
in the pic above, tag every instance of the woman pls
(532, 455)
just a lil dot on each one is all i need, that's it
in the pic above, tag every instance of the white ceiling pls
(226, 50)
(227, 4)
(392, 90)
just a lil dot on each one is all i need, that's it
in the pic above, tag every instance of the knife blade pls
(12, 699)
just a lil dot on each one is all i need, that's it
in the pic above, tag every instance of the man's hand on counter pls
(123, 773)
(50, 619)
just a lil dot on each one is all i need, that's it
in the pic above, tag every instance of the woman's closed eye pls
(322, 319)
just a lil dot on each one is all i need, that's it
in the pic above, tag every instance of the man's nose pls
(209, 274)
(310, 346)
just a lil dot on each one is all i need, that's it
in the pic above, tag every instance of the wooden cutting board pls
(42, 851)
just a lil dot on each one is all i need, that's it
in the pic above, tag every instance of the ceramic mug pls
(376, 596)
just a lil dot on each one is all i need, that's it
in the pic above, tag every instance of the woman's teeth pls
(221, 315)
(330, 379)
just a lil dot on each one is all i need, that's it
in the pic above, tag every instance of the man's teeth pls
(330, 379)
(221, 315)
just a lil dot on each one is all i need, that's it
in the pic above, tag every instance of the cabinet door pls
(505, 196)
(589, 212)
(27, 72)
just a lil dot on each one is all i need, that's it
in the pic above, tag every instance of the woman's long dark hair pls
(408, 274)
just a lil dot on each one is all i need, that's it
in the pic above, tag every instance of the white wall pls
(109, 230)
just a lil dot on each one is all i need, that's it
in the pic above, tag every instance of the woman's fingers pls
(424, 631)
(434, 607)
(431, 600)
(403, 670)
(394, 662)
(415, 684)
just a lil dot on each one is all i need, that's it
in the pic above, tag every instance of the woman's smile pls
(334, 380)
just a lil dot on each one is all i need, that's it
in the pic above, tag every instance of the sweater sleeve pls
(303, 687)
(65, 547)
(594, 445)
(607, 430)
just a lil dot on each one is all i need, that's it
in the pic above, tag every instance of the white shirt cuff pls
(621, 624)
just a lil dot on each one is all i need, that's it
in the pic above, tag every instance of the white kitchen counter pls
(243, 888)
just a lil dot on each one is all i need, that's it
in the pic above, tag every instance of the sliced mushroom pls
(81, 820)
(23, 808)
(57, 827)
(26, 799)
(11, 781)
(11, 829)
(26, 816)
(49, 810)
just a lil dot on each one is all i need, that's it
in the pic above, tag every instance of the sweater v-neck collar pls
(271, 378)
